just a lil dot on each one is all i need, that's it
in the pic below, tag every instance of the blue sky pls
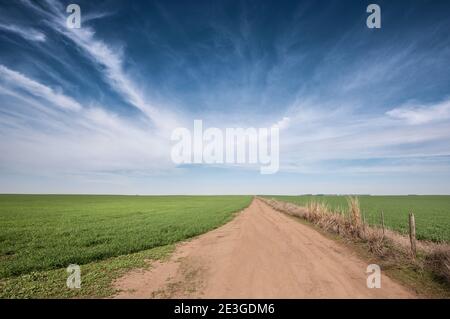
(91, 110)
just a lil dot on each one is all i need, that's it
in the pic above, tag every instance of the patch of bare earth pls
(259, 254)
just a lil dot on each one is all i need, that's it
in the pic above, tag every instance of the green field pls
(43, 232)
(432, 213)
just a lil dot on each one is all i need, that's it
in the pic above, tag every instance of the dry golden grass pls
(439, 262)
(350, 225)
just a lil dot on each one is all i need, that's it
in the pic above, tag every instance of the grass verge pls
(432, 212)
(96, 277)
(423, 274)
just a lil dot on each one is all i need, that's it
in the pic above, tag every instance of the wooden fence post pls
(364, 220)
(412, 233)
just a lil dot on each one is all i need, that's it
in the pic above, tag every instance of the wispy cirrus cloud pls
(85, 139)
(99, 100)
(110, 62)
(17, 79)
(323, 139)
(421, 114)
(24, 32)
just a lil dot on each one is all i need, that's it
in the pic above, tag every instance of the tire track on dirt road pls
(261, 253)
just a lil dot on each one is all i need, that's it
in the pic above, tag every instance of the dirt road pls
(262, 253)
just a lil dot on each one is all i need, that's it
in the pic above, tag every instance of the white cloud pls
(17, 79)
(421, 114)
(319, 128)
(323, 133)
(283, 123)
(26, 33)
(110, 62)
(89, 139)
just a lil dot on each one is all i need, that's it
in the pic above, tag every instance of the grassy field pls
(432, 213)
(46, 232)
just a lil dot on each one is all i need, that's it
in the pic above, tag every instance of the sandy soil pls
(261, 253)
